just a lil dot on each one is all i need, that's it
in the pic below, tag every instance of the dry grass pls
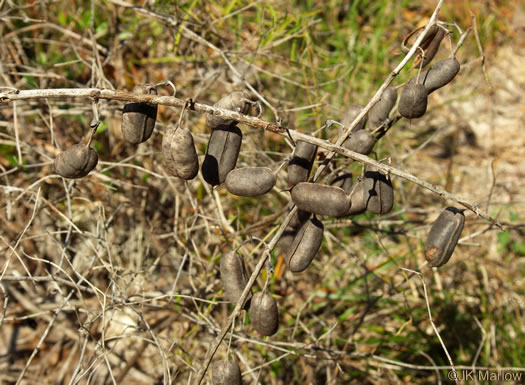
(114, 278)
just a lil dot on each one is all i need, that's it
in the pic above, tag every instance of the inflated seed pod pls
(299, 218)
(179, 154)
(222, 153)
(440, 74)
(350, 114)
(138, 119)
(237, 101)
(357, 199)
(234, 277)
(426, 40)
(413, 101)
(264, 314)
(431, 50)
(378, 193)
(305, 245)
(226, 372)
(343, 180)
(380, 111)
(443, 236)
(321, 199)
(250, 181)
(301, 163)
(76, 162)
(285, 241)
(360, 141)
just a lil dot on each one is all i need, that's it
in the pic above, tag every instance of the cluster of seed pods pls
(341, 197)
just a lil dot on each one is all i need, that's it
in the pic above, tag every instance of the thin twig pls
(480, 47)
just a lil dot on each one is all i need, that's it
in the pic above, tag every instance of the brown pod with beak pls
(305, 245)
(413, 101)
(444, 236)
(380, 111)
(250, 181)
(237, 101)
(350, 114)
(378, 193)
(320, 199)
(360, 141)
(357, 197)
(301, 163)
(264, 314)
(78, 160)
(138, 119)
(234, 277)
(221, 156)
(179, 154)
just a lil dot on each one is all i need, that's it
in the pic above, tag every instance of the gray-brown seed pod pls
(413, 101)
(285, 241)
(264, 314)
(138, 119)
(237, 101)
(378, 192)
(440, 74)
(360, 141)
(431, 50)
(234, 277)
(343, 180)
(76, 162)
(444, 236)
(301, 163)
(320, 199)
(226, 372)
(357, 197)
(299, 218)
(305, 245)
(350, 114)
(380, 111)
(179, 154)
(222, 153)
(250, 181)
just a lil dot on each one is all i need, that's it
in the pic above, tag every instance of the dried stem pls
(95, 93)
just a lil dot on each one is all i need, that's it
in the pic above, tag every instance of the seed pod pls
(264, 314)
(237, 101)
(305, 245)
(432, 31)
(138, 119)
(234, 277)
(76, 162)
(221, 155)
(301, 163)
(378, 193)
(360, 141)
(357, 199)
(350, 114)
(343, 180)
(413, 101)
(285, 241)
(179, 154)
(423, 60)
(380, 111)
(250, 181)
(320, 199)
(299, 218)
(443, 236)
(440, 74)
(226, 373)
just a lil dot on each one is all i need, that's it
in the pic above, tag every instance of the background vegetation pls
(114, 277)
